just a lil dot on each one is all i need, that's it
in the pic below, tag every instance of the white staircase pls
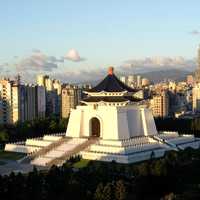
(59, 154)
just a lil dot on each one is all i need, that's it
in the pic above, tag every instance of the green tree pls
(107, 192)
(63, 124)
(98, 195)
(52, 126)
(3, 136)
(144, 169)
(158, 168)
(120, 190)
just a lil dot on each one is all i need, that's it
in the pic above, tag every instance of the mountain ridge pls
(160, 75)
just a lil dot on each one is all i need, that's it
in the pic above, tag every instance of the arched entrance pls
(95, 127)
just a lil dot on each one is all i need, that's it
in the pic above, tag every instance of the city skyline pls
(99, 99)
(73, 38)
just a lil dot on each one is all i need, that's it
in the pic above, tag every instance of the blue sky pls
(105, 32)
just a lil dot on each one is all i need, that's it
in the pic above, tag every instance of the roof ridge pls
(118, 81)
(111, 83)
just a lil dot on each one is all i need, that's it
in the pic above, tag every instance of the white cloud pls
(195, 32)
(36, 50)
(149, 63)
(132, 66)
(38, 61)
(158, 61)
(5, 68)
(4, 65)
(73, 55)
(81, 76)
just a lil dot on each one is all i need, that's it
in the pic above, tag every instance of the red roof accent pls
(110, 70)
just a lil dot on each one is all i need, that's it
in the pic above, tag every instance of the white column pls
(144, 122)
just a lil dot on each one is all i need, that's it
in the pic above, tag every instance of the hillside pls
(173, 74)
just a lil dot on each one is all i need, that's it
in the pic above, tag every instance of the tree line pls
(175, 176)
(35, 128)
(39, 127)
(183, 126)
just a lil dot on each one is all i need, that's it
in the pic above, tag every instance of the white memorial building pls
(110, 125)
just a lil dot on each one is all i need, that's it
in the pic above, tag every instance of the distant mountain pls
(156, 75)
(173, 74)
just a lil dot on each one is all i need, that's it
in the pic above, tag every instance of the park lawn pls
(11, 155)
(82, 163)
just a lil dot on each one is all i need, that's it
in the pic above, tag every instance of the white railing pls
(21, 148)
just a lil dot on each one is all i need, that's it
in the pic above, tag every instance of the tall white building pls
(48, 83)
(197, 72)
(131, 81)
(20, 102)
(160, 105)
(123, 79)
(5, 101)
(11, 102)
(40, 80)
(57, 86)
(145, 82)
(45, 81)
(16, 103)
(70, 99)
(53, 94)
(196, 98)
(139, 81)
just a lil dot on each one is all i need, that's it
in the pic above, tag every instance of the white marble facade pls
(116, 122)
(127, 134)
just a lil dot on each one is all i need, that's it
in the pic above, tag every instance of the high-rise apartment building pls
(30, 102)
(139, 82)
(40, 101)
(33, 99)
(20, 102)
(131, 81)
(40, 80)
(197, 72)
(172, 86)
(196, 98)
(5, 101)
(45, 81)
(57, 86)
(70, 99)
(145, 82)
(11, 105)
(135, 81)
(160, 105)
(53, 94)
(16, 103)
(48, 83)
(123, 79)
(190, 80)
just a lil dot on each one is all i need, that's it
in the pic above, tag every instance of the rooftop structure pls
(110, 90)
(111, 84)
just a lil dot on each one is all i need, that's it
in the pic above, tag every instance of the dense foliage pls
(183, 126)
(176, 176)
(35, 128)
(38, 127)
